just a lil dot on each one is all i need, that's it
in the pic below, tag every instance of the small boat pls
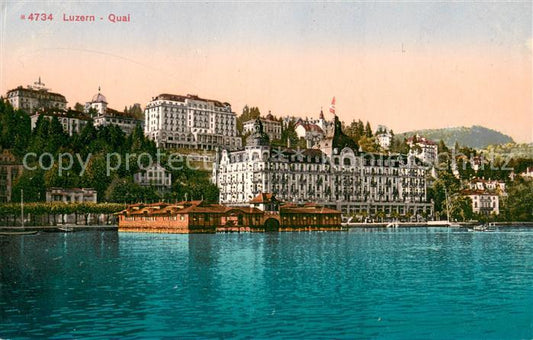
(66, 228)
(18, 233)
(483, 228)
(393, 225)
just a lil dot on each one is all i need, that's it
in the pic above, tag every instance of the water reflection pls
(417, 282)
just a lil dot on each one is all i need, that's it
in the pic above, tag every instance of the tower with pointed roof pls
(336, 140)
(98, 103)
(258, 137)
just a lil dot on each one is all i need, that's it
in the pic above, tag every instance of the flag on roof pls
(332, 106)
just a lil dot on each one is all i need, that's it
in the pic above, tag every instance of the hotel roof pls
(181, 98)
(39, 92)
(307, 209)
(420, 140)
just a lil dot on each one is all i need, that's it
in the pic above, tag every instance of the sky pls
(406, 65)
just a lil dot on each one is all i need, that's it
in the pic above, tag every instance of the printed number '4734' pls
(40, 17)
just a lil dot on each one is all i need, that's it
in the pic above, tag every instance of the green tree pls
(32, 183)
(79, 107)
(288, 134)
(123, 190)
(368, 144)
(15, 130)
(445, 182)
(95, 175)
(39, 137)
(368, 130)
(56, 136)
(519, 204)
(461, 208)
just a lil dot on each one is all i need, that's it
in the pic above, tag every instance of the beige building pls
(334, 174)
(483, 202)
(155, 176)
(105, 116)
(175, 121)
(71, 120)
(271, 126)
(424, 149)
(485, 195)
(35, 97)
(10, 170)
(71, 195)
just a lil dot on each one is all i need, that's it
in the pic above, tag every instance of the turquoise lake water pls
(414, 283)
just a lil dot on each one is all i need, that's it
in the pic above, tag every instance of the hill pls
(478, 137)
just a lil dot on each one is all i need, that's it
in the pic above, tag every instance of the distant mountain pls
(476, 136)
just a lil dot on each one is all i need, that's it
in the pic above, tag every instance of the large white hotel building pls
(175, 121)
(334, 173)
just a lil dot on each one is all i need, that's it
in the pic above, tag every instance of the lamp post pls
(22, 207)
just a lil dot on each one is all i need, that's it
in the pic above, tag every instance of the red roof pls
(185, 207)
(469, 192)
(310, 127)
(421, 140)
(247, 210)
(309, 209)
(263, 198)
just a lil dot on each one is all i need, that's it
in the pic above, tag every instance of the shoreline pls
(78, 227)
(344, 227)
(426, 225)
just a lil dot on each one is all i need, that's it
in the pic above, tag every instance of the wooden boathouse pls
(265, 213)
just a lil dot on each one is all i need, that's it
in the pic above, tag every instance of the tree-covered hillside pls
(101, 148)
(477, 137)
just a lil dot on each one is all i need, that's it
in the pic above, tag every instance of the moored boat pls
(18, 233)
(393, 225)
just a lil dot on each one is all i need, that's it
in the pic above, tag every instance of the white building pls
(384, 137)
(325, 125)
(154, 176)
(35, 97)
(104, 116)
(483, 202)
(174, 121)
(311, 132)
(271, 126)
(334, 174)
(489, 185)
(424, 149)
(97, 105)
(72, 121)
(71, 195)
(528, 174)
(485, 195)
